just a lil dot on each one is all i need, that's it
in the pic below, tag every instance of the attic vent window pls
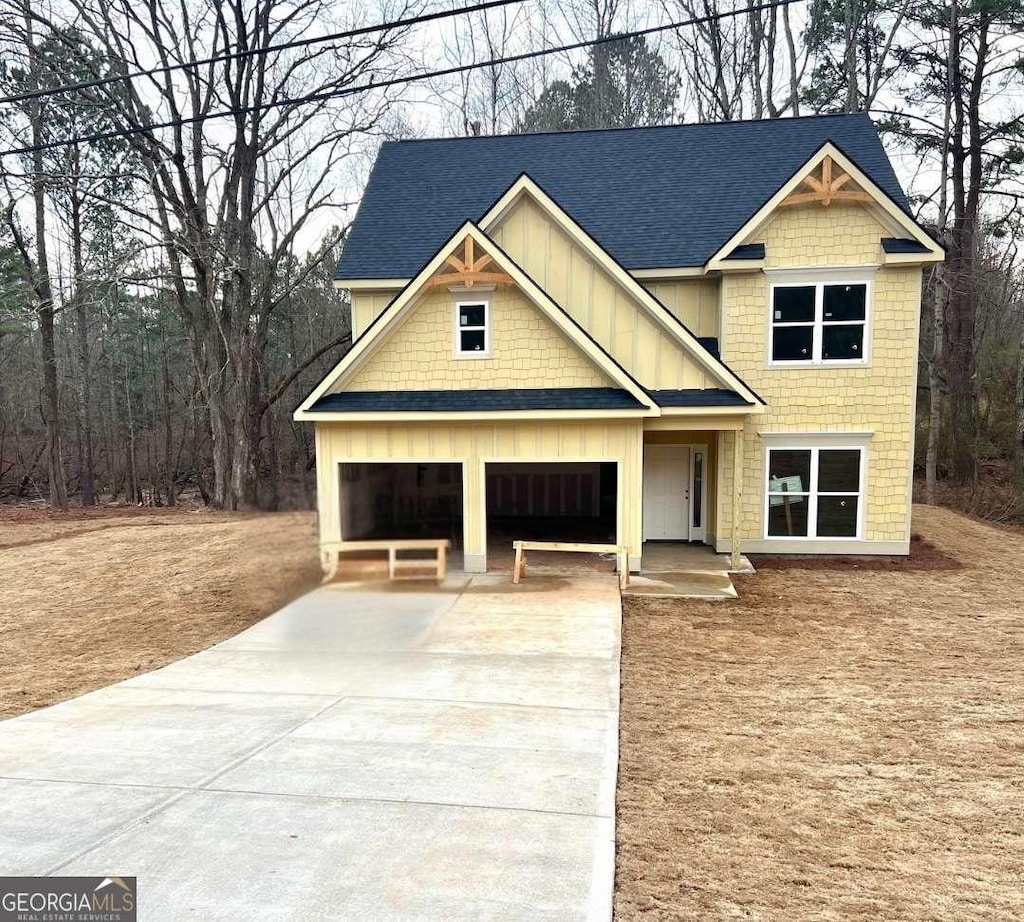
(472, 329)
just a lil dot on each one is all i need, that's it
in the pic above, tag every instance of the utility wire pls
(251, 52)
(383, 84)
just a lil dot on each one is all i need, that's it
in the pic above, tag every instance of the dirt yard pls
(99, 595)
(836, 744)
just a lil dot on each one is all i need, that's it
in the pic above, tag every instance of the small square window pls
(472, 315)
(472, 332)
(794, 304)
(845, 302)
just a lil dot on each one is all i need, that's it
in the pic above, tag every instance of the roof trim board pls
(896, 215)
(525, 185)
(374, 335)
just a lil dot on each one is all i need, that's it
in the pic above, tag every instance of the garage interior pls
(545, 501)
(402, 500)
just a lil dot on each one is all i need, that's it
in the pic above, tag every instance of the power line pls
(251, 52)
(384, 84)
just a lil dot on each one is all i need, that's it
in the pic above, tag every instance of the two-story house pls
(702, 333)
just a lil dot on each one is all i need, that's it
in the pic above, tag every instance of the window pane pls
(792, 344)
(839, 470)
(837, 516)
(845, 302)
(471, 340)
(471, 315)
(842, 342)
(789, 471)
(793, 305)
(698, 488)
(788, 519)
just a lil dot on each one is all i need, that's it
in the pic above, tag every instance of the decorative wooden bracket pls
(469, 270)
(827, 189)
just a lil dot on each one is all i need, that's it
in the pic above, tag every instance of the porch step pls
(691, 584)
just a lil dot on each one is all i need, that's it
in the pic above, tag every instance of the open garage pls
(402, 500)
(551, 501)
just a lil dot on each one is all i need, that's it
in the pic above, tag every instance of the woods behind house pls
(165, 287)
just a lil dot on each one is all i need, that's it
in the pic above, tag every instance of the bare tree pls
(217, 182)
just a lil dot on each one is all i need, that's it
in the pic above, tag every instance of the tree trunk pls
(44, 295)
(86, 464)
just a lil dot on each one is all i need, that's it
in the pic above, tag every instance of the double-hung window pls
(472, 329)
(814, 492)
(818, 322)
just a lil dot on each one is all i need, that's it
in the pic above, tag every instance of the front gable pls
(531, 345)
(626, 320)
(526, 349)
(829, 213)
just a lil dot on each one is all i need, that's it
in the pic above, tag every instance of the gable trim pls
(661, 314)
(882, 200)
(373, 336)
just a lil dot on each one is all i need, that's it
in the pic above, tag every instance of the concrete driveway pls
(397, 753)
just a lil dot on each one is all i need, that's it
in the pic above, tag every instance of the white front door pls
(667, 492)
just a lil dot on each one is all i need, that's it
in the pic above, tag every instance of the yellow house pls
(694, 333)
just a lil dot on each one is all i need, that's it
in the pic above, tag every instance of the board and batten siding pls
(472, 445)
(876, 397)
(693, 301)
(366, 305)
(595, 300)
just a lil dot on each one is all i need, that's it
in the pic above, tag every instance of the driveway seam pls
(159, 808)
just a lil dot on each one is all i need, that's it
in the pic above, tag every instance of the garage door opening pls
(571, 502)
(406, 500)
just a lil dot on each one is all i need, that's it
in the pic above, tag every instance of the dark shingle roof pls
(901, 245)
(694, 397)
(652, 197)
(542, 398)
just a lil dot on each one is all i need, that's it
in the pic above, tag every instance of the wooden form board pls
(392, 546)
(619, 550)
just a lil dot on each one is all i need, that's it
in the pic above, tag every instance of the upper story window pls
(472, 329)
(819, 322)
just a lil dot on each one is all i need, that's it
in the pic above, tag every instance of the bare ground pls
(839, 743)
(95, 596)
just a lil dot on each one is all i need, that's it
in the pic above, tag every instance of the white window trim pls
(815, 445)
(819, 279)
(457, 344)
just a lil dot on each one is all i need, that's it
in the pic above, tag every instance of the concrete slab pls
(125, 735)
(689, 585)
(410, 753)
(46, 823)
(361, 620)
(215, 856)
(541, 760)
(555, 681)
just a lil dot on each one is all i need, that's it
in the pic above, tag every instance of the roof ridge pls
(626, 128)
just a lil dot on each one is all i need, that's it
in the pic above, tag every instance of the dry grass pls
(844, 744)
(97, 596)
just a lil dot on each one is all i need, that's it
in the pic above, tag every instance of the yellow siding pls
(366, 305)
(693, 301)
(473, 444)
(527, 350)
(876, 397)
(597, 302)
(840, 235)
